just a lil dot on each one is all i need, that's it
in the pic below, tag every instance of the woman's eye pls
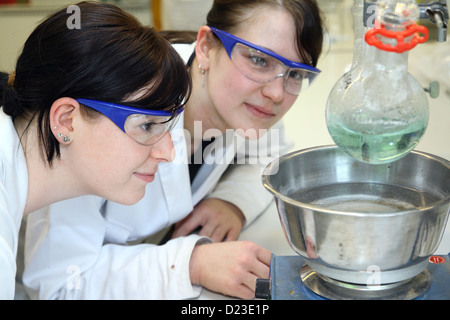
(259, 61)
(296, 75)
(147, 126)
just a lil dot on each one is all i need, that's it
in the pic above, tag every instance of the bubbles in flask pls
(377, 112)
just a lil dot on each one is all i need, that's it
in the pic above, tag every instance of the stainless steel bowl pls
(361, 223)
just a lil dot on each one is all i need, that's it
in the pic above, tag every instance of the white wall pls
(306, 120)
(17, 22)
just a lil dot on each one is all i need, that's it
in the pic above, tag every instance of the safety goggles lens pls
(261, 67)
(148, 130)
(144, 126)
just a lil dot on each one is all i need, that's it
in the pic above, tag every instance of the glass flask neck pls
(359, 32)
(385, 60)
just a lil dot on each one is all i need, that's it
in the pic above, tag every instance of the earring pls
(65, 138)
(60, 135)
(203, 75)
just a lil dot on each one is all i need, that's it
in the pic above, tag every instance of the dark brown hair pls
(108, 58)
(227, 15)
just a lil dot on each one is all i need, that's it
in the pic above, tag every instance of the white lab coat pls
(79, 248)
(13, 196)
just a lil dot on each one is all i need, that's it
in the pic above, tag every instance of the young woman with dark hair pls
(248, 65)
(86, 111)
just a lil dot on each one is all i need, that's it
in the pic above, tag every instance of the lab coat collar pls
(175, 175)
(13, 167)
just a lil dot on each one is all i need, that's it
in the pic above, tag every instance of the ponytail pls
(9, 98)
(3, 82)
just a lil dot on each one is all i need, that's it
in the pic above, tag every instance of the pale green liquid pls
(377, 148)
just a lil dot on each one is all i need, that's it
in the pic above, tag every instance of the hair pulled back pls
(108, 58)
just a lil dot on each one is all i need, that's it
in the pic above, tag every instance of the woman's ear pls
(203, 47)
(62, 113)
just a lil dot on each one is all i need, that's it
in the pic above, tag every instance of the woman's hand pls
(219, 220)
(229, 268)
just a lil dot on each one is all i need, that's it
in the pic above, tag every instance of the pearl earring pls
(203, 75)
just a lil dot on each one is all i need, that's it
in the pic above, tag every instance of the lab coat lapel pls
(175, 179)
(217, 157)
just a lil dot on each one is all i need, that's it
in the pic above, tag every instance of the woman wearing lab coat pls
(53, 147)
(246, 75)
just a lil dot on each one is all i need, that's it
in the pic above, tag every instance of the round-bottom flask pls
(381, 113)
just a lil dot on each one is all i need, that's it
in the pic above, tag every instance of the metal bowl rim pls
(268, 186)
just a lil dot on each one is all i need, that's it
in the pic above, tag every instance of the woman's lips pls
(259, 111)
(147, 177)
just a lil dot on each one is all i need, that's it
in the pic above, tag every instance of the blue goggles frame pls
(118, 113)
(229, 41)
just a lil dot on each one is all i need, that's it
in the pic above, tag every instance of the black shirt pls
(194, 166)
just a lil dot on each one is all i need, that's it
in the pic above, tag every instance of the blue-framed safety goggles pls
(144, 126)
(262, 65)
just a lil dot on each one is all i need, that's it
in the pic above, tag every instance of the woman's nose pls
(163, 150)
(274, 89)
